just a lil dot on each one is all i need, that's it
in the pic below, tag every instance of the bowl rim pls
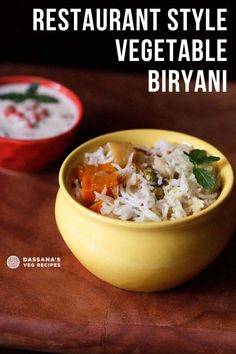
(64, 90)
(147, 224)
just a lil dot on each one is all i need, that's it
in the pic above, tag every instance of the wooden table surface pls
(67, 309)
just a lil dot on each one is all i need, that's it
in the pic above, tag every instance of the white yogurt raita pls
(31, 119)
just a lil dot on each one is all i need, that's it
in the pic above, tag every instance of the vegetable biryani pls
(168, 181)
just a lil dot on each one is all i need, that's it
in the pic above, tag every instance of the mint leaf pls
(32, 89)
(199, 157)
(13, 96)
(45, 98)
(209, 159)
(30, 93)
(204, 177)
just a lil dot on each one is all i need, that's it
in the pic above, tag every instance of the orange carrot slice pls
(107, 167)
(91, 184)
(90, 170)
(96, 206)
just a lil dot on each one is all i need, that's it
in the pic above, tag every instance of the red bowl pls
(31, 155)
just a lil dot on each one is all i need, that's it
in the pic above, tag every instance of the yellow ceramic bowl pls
(148, 256)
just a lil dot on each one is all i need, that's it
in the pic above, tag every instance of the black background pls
(97, 50)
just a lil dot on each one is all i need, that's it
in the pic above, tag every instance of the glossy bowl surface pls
(31, 155)
(148, 256)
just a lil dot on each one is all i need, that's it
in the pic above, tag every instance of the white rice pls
(136, 200)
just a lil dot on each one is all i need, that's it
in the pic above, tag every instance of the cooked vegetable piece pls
(107, 167)
(96, 206)
(139, 157)
(90, 170)
(121, 152)
(159, 193)
(91, 184)
(176, 175)
(87, 193)
(150, 175)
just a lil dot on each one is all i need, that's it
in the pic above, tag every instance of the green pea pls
(159, 193)
(176, 175)
(149, 174)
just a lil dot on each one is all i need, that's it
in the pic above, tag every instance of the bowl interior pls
(145, 137)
